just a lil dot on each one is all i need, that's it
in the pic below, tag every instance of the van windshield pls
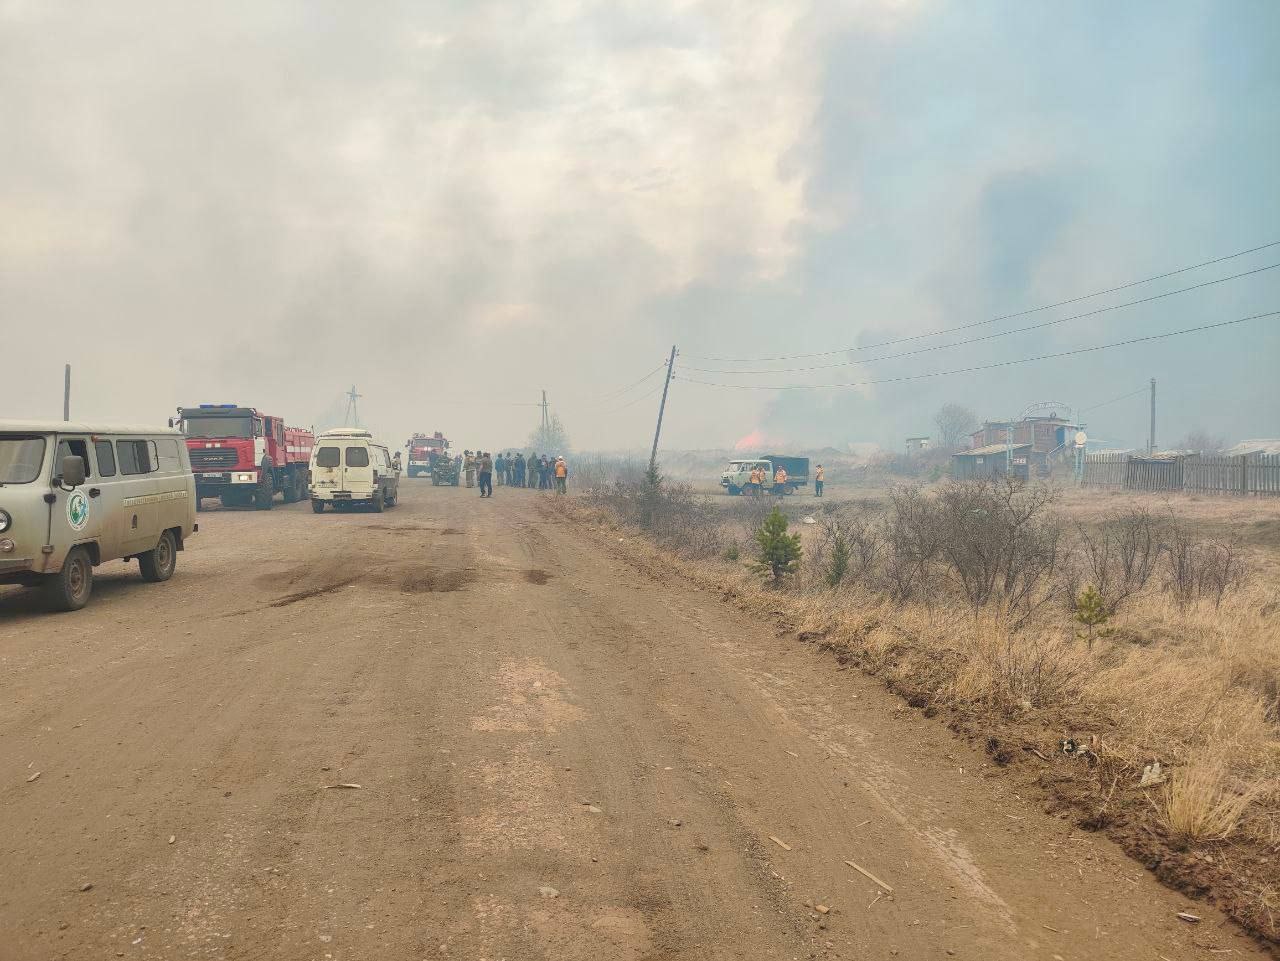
(218, 426)
(20, 459)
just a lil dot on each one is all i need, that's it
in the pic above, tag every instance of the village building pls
(1025, 448)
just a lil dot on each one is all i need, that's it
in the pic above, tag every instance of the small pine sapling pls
(779, 551)
(1091, 611)
(838, 564)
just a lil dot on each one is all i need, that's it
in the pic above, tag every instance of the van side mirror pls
(72, 470)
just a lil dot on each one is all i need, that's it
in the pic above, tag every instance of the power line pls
(485, 403)
(645, 396)
(999, 333)
(992, 320)
(980, 367)
(637, 383)
(1141, 390)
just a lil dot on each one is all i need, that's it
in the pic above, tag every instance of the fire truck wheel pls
(290, 488)
(317, 507)
(158, 563)
(263, 497)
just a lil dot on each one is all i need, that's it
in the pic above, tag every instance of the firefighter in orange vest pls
(562, 475)
(780, 481)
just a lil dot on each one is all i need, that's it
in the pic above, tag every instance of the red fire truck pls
(424, 450)
(244, 457)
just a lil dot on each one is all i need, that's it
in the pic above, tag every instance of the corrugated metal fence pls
(1247, 474)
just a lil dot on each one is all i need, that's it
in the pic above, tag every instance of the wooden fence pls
(1247, 474)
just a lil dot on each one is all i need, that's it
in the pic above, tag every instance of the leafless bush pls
(1201, 569)
(673, 515)
(910, 535)
(848, 544)
(1120, 555)
(999, 543)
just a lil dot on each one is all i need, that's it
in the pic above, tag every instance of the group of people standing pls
(515, 470)
(758, 480)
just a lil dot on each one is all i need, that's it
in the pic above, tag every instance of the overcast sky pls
(456, 205)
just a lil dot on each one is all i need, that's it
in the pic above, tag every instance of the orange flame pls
(752, 440)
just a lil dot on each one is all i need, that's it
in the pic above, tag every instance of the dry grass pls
(1199, 803)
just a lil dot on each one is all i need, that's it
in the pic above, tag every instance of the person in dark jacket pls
(519, 469)
(500, 465)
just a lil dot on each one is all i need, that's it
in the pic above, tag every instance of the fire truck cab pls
(244, 457)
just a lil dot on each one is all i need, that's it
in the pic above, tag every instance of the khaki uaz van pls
(349, 467)
(74, 496)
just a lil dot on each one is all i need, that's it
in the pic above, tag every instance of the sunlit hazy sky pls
(456, 205)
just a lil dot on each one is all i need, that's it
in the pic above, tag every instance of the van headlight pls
(5, 521)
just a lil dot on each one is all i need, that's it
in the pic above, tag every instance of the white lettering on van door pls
(154, 498)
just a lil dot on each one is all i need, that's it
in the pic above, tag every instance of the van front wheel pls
(158, 563)
(69, 589)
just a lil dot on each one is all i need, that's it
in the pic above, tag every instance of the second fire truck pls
(424, 449)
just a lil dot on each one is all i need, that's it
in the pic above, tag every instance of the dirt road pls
(558, 757)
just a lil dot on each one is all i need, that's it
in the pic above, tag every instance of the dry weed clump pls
(1013, 672)
(1201, 804)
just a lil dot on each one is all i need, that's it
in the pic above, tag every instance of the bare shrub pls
(672, 513)
(1201, 569)
(999, 542)
(848, 545)
(1011, 671)
(910, 535)
(1121, 554)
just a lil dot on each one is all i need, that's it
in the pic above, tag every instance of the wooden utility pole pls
(1151, 438)
(671, 363)
(66, 394)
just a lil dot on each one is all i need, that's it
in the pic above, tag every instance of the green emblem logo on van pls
(77, 511)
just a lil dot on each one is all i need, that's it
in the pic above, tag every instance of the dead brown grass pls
(1200, 804)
